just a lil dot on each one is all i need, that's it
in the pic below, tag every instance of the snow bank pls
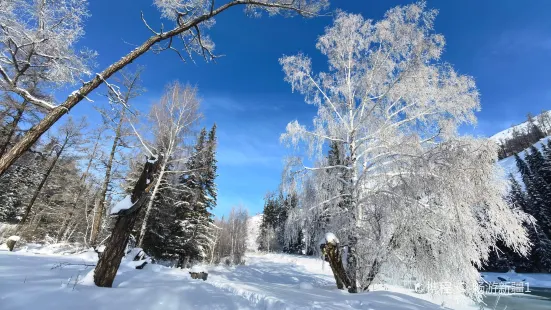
(61, 248)
(124, 204)
(88, 279)
(14, 238)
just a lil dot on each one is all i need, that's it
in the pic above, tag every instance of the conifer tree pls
(536, 189)
(534, 203)
(191, 233)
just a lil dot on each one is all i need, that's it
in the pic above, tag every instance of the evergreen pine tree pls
(17, 185)
(211, 167)
(192, 229)
(534, 203)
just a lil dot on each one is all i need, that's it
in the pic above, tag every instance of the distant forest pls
(523, 137)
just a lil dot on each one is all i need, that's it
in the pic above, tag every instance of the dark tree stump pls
(110, 260)
(11, 244)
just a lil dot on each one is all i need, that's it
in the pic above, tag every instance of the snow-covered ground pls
(266, 281)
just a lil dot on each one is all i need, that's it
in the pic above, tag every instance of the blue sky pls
(505, 45)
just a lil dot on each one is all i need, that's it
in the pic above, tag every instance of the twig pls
(61, 265)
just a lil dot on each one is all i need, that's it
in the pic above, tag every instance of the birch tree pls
(173, 118)
(116, 119)
(47, 31)
(416, 198)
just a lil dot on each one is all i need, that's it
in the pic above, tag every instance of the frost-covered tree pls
(116, 120)
(420, 200)
(50, 29)
(272, 228)
(173, 119)
(37, 44)
(231, 237)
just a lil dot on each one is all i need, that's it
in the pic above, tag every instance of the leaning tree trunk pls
(108, 264)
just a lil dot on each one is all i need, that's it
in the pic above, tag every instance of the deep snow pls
(266, 281)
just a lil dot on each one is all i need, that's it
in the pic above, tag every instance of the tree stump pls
(11, 244)
(332, 255)
(199, 275)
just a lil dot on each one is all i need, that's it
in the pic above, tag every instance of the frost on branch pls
(195, 41)
(400, 188)
(37, 43)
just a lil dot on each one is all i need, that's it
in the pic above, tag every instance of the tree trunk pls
(356, 216)
(150, 206)
(352, 264)
(98, 216)
(373, 271)
(42, 183)
(333, 257)
(108, 264)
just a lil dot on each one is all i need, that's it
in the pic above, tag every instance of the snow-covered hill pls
(253, 230)
(508, 133)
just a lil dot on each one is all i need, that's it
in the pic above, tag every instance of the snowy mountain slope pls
(253, 230)
(272, 281)
(508, 133)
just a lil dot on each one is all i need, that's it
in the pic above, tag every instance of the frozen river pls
(537, 299)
